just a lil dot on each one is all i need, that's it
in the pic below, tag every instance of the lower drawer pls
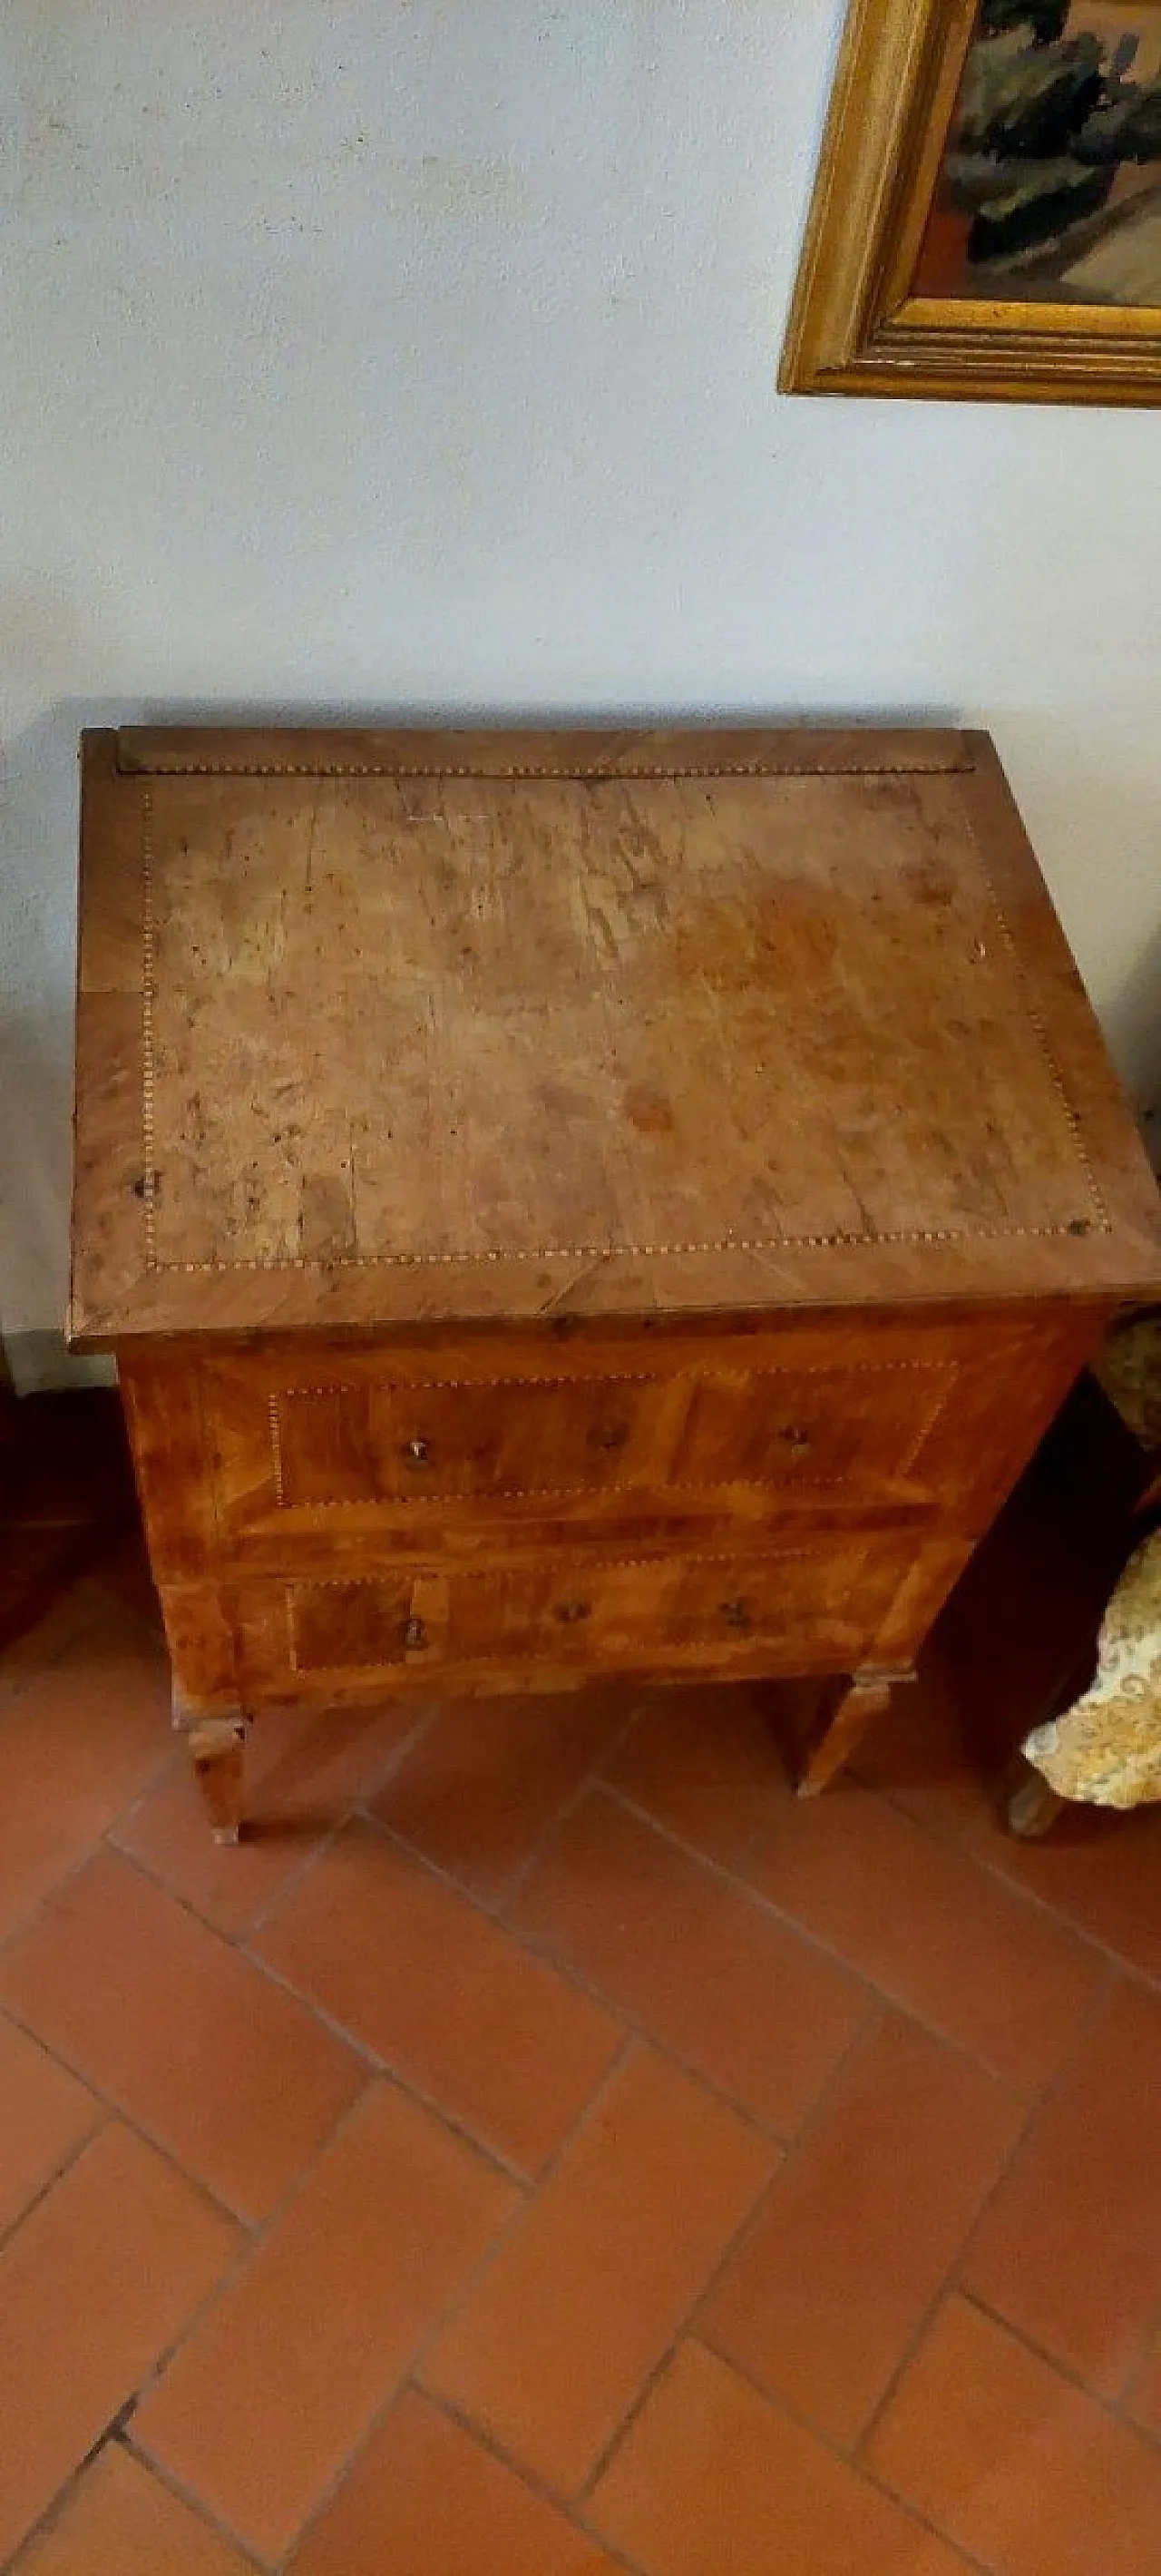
(782, 1610)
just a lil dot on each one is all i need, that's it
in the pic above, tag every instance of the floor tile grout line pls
(242, 1934)
(252, 2243)
(572, 2508)
(593, 1784)
(1112, 2407)
(857, 2468)
(373, 2065)
(569, 1976)
(948, 2287)
(46, 2522)
(129, 2120)
(543, 1841)
(358, 1807)
(861, 2040)
(998, 1877)
(622, 2058)
(946, 1838)
(881, 1996)
(951, 2282)
(409, 2370)
(72, 2157)
(780, 1769)
(57, 1886)
(205, 2512)
(241, 1944)
(949, 1838)
(461, 2299)
(681, 2332)
(1146, 2433)
(594, 1781)
(495, 1908)
(238, 1938)
(381, 2069)
(493, 1904)
(409, 1742)
(185, 2494)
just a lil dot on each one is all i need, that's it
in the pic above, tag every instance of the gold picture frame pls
(859, 322)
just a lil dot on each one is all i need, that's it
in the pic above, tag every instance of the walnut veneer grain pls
(579, 1202)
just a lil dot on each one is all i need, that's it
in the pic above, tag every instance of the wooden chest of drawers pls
(575, 1203)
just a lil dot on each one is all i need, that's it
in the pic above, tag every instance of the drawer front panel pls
(792, 1610)
(798, 1429)
(376, 1442)
(360, 1454)
(347, 1461)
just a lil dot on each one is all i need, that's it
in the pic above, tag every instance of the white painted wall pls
(368, 356)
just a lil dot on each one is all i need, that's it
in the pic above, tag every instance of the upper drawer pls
(287, 1452)
(367, 1449)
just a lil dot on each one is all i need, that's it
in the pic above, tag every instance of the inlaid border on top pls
(843, 1240)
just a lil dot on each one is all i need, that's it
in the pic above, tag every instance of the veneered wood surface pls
(755, 1500)
(384, 1029)
(547, 1625)
(300, 1454)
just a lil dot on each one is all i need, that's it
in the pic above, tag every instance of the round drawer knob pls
(415, 1633)
(416, 1452)
(571, 1611)
(736, 1614)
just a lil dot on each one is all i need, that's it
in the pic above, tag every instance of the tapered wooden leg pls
(217, 1752)
(848, 1709)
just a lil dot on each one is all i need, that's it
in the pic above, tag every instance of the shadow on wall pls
(37, 935)
(1134, 1031)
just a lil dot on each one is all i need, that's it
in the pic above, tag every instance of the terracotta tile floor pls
(545, 2148)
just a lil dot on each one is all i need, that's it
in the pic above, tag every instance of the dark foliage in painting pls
(1046, 121)
(1046, 19)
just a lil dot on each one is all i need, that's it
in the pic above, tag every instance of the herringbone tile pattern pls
(546, 2147)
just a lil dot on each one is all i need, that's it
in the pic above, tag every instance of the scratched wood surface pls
(381, 1029)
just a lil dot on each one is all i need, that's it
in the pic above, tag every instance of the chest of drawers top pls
(384, 1030)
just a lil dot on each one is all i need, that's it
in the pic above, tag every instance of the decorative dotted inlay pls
(945, 1371)
(605, 1253)
(854, 1563)
(596, 775)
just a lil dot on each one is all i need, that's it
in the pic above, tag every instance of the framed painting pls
(986, 221)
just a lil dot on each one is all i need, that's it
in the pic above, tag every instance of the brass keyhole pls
(610, 1435)
(736, 1614)
(794, 1436)
(570, 1611)
(415, 1633)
